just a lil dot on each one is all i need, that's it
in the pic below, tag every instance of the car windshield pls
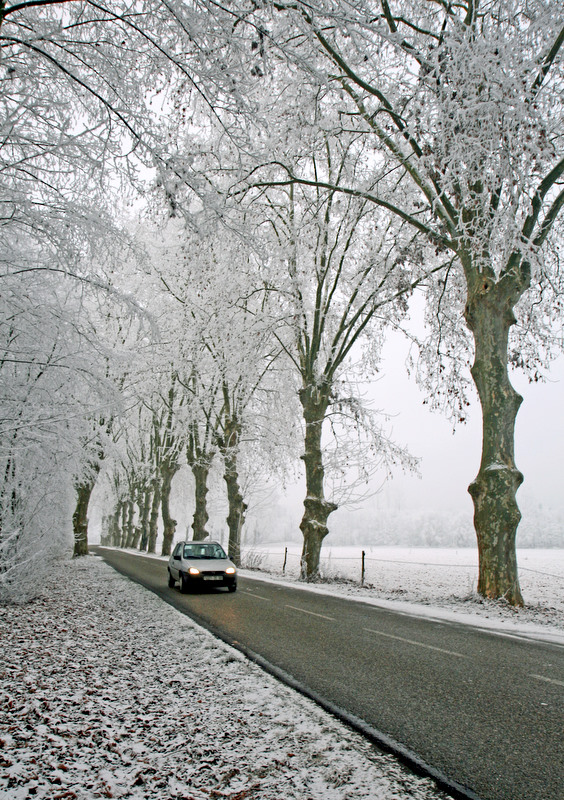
(203, 551)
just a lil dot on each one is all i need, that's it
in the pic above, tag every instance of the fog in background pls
(434, 509)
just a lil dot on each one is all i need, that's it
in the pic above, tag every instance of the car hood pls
(208, 564)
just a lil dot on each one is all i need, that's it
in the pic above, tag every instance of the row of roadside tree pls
(212, 217)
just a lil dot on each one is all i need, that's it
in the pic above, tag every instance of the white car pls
(198, 564)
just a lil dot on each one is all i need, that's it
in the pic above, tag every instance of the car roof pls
(203, 547)
(205, 541)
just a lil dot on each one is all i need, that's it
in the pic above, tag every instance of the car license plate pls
(213, 577)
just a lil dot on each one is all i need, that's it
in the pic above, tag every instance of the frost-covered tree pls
(84, 486)
(59, 142)
(462, 105)
(170, 438)
(225, 354)
(201, 447)
(244, 355)
(51, 388)
(341, 273)
(323, 271)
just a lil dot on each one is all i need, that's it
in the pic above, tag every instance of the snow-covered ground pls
(108, 692)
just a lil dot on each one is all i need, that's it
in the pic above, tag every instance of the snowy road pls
(484, 709)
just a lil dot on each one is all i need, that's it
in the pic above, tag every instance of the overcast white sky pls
(450, 460)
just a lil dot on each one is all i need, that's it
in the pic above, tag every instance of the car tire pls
(232, 587)
(183, 583)
(171, 580)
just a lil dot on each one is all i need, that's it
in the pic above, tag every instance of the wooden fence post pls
(285, 557)
(362, 571)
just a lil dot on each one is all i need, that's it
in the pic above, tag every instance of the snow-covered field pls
(108, 692)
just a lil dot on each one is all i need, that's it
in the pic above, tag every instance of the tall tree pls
(84, 489)
(51, 387)
(225, 350)
(171, 445)
(201, 447)
(342, 272)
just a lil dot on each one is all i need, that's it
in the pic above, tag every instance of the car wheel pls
(183, 583)
(232, 587)
(171, 580)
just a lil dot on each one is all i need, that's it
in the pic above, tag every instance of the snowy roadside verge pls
(106, 691)
(532, 622)
(434, 582)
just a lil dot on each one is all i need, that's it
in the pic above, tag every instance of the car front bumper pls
(210, 581)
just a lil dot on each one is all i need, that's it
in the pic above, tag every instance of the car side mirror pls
(177, 558)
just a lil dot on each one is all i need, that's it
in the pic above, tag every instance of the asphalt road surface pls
(485, 710)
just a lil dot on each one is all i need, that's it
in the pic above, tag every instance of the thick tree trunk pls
(154, 517)
(105, 533)
(80, 518)
(115, 529)
(237, 506)
(200, 472)
(144, 513)
(136, 537)
(123, 540)
(489, 314)
(315, 401)
(168, 472)
(130, 530)
(137, 528)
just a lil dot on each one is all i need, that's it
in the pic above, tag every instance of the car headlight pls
(230, 571)
(194, 571)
